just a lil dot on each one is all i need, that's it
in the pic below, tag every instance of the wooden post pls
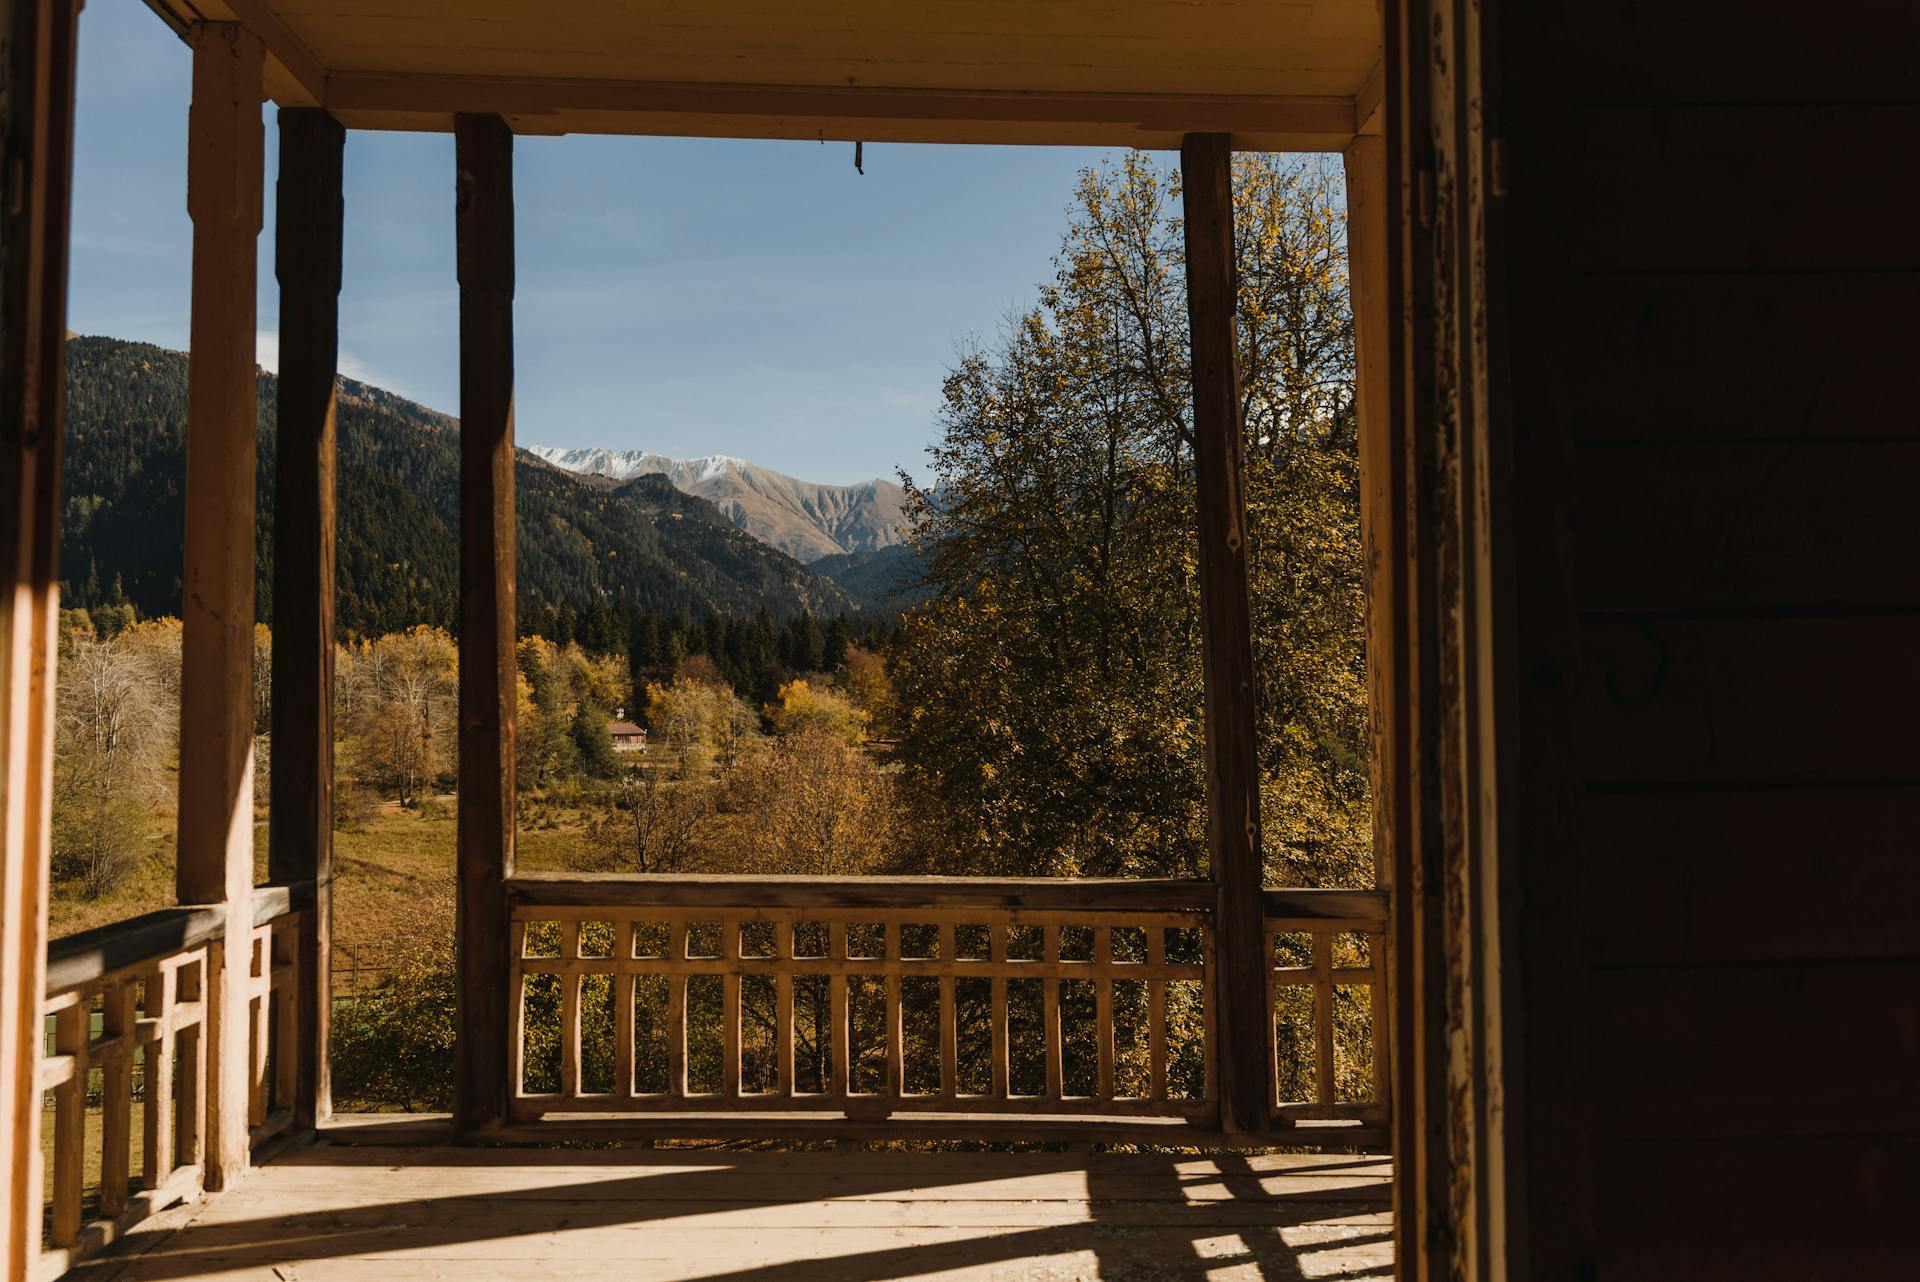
(1382, 524)
(224, 164)
(488, 672)
(300, 825)
(36, 131)
(1233, 777)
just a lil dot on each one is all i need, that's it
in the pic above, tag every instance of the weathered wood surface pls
(1807, 698)
(36, 138)
(225, 156)
(307, 251)
(1747, 516)
(488, 670)
(774, 954)
(158, 1011)
(1716, 387)
(113, 950)
(1241, 1029)
(1680, 877)
(1681, 1057)
(333, 1212)
(719, 890)
(1712, 330)
(1134, 74)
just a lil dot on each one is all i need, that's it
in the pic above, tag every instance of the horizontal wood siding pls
(1712, 282)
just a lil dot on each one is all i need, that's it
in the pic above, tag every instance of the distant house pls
(627, 737)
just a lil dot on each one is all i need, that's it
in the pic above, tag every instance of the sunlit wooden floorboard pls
(339, 1212)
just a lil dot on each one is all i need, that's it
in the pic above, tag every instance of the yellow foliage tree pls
(802, 707)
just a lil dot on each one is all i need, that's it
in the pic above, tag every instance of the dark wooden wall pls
(1710, 243)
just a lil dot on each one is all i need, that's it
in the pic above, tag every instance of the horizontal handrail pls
(1323, 916)
(1300, 904)
(92, 955)
(681, 890)
(89, 956)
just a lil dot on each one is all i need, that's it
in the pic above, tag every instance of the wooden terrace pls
(1195, 1016)
(332, 1211)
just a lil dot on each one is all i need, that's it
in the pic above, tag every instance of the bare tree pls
(110, 733)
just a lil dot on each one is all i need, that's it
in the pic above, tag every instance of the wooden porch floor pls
(366, 1213)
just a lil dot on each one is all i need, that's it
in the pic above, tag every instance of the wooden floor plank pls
(333, 1212)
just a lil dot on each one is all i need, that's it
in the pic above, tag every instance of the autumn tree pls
(1049, 687)
(802, 707)
(653, 826)
(813, 803)
(398, 697)
(111, 735)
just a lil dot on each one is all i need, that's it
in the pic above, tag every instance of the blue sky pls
(681, 295)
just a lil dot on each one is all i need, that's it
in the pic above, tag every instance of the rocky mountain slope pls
(804, 519)
(584, 541)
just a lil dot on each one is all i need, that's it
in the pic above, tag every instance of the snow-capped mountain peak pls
(804, 519)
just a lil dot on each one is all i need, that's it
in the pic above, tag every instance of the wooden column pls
(1233, 776)
(484, 160)
(224, 164)
(1382, 476)
(300, 832)
(36, 132)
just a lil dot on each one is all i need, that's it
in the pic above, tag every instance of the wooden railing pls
(918, 997)
(1331, 1043)
(863, 996)
(144, 984)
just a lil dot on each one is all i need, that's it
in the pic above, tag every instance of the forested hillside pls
(585, 544)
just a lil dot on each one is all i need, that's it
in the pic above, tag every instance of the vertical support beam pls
(484, 160)
(1383, 530)
(1382, 471)
(224, 174)
(1233, 777)
(36, 135)
(306, 258)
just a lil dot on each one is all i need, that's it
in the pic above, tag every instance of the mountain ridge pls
(808, 520)
(584, 544)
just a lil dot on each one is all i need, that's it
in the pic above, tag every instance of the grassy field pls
(392, 874)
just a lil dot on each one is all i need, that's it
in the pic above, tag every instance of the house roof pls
(1303, 74)
(623, 727)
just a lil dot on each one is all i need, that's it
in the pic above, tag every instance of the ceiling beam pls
(1367, 118)
(287, 48)
(803, 111)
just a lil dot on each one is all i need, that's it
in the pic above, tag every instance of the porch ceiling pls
(1296, 75)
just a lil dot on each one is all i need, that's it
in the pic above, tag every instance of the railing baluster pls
(783, 1009)
(1103, 1007)
(1209, 1017)
(896, 1042)
(949, 1016)
(1157, 1015)
(190, 1084)
(116, 1099)
(285, 956)
(1050, 1015)
(157, 1068)
(842, 1084)
(1002, 1068)
(259, 1012)
(1103, 1086)
(623, 1050)
(730, 1010)
(677, 1009)
(1273, 1012)
(1323, 1015)
(70, 1029)
(569, 978)
(1382, 1048)
(517, 995)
